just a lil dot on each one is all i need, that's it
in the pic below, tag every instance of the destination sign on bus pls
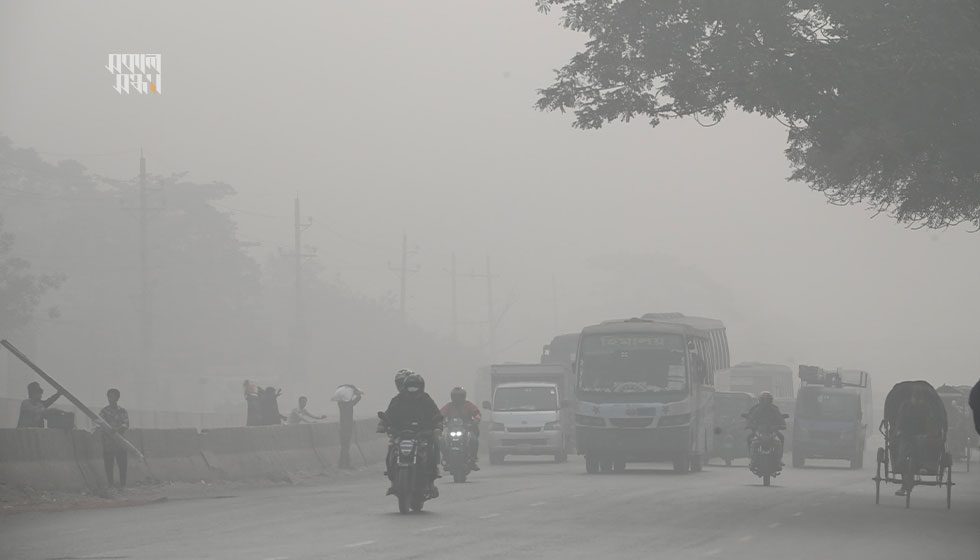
(630, 341)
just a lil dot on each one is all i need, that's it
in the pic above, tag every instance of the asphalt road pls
(531, 509)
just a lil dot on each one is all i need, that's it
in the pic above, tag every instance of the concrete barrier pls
(49, 459)
(40, 458)
(174, 455)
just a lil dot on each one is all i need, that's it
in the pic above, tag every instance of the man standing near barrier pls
(32, 409)
(112, 451)
(300, 414)
(346, 396)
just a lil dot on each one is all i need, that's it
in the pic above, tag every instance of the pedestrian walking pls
(347, 396)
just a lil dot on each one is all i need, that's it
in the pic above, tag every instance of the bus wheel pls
(696, 463)
(681, 464)
(591, 464)
(619, 465)
(606, 465)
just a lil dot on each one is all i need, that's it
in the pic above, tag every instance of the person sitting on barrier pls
(459, 407)
(914, 421)
(300, 414)
(113, 451)
(253, 414)
(415, 406)
(33, 410)
(766, 413)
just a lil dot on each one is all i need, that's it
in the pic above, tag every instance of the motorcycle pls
(764, 460)
(456, 449)
(409, 456)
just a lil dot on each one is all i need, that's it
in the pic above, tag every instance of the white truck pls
(527, 411)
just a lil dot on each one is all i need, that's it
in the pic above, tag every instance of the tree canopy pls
(880, 97)
(20, 290)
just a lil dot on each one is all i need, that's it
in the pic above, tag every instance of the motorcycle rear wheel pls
(765, 480)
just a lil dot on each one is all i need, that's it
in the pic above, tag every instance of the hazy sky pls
(417, 116)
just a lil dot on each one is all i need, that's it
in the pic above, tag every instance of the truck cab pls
(526, 419)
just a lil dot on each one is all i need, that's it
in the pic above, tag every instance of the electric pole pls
(403, 272)
(491, 323)
(452, 273)
(300, 330)
(146, 325)
(554, 303)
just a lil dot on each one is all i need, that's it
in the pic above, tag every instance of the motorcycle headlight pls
(551, 427)
(456, 434)
(496, 427)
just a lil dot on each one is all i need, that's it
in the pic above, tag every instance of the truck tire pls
(591, 464)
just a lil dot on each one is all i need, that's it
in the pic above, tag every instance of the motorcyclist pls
(766, 414)
(414, 405)
(459, 407)
(400, 385)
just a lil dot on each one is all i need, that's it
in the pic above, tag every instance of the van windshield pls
(817, 405)
(525, 399)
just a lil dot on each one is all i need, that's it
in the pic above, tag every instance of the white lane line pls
(357, 544)
(536, 504)
(436, 528)
(577, 495)
(746, 538)
(490, 516)
(713, 552)
(278, 558)
(797, 514)
(774, 525)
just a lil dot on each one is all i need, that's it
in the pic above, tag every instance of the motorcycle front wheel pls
(403, 485)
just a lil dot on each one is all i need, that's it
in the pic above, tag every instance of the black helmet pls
(458, 395)
(414, 383)
(400, 378)
(765, 397)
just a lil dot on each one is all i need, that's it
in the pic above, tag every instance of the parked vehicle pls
(456, 439)
(526, 419)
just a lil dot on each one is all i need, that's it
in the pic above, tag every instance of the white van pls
(526, 419)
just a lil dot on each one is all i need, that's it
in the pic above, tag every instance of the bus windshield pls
(633, 363)
(525, 399)
(818, 405)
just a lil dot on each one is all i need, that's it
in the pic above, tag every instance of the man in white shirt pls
(300, 414)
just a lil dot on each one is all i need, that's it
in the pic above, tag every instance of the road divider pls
(71, 460)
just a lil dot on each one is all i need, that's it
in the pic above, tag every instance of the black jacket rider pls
(766, 414)
(407, 408)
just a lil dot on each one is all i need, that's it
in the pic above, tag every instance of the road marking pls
(427, 529)
(713, 552)
(577, 495)
(746, 538)
(491, 516)
(536, 504)
(774, 525)
(797, 514)
(357, 544)
(279, 558)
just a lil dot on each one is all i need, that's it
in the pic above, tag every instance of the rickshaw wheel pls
(908, 494)
(877, 480)
(949, 487)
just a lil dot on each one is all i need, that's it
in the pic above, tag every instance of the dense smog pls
(549, 279)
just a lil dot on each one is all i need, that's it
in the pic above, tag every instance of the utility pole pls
(403, 272)
(554, 303)
(146, 325)
(452, 273)
(300, 331)
(491, 323)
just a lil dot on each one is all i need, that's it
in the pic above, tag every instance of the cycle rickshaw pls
(961, 437)
(927, 461)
